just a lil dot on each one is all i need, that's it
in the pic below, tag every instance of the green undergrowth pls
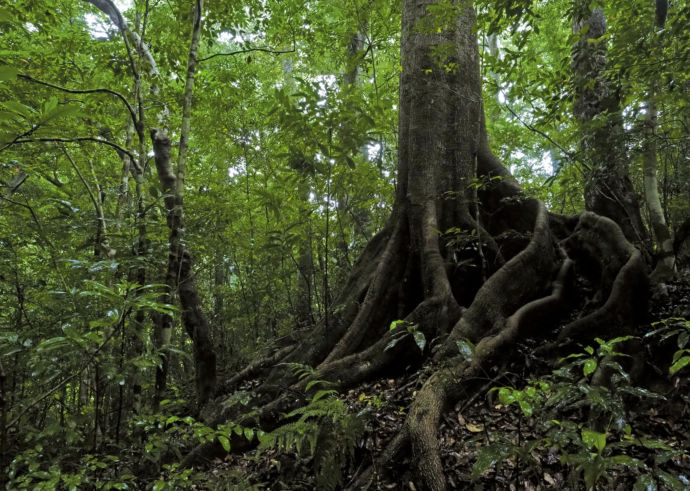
(587, 412)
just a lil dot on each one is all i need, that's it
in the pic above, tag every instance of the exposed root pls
(520, 280)
(621, 273)
(431, 316)
(377, 289)
(510, 304)
(315, 347)
(253, 369)
(460, 378)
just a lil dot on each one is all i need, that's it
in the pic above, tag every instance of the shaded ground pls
(483, 421)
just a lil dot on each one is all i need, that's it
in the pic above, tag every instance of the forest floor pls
(483, 423)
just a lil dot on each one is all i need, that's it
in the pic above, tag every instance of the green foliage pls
(28, 471)
(324, 428)
(590, 454)
(403, 329)
(679, 328)
(291, 172)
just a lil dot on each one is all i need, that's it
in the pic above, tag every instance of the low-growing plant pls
(324, 428)
(668, 328)
(562, 404)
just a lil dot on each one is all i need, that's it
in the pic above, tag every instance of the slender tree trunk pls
(664, 269)
(123, 188)
(180, 274)
(304, 312)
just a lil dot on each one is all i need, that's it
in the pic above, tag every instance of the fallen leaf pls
(474, 428)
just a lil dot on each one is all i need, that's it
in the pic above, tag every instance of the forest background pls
(187, 188)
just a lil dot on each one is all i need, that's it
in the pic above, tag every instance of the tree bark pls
(665, 265)
(180, 275)
(458, 218)
(608, 189)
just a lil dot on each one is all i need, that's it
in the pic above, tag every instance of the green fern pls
(324, 427)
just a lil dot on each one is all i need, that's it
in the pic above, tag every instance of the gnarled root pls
(621, 273)
(460, 378)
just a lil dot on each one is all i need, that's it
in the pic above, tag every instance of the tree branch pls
(249, 50)
(109, 9)
(85, 91)
(78, 139)
(539, 132)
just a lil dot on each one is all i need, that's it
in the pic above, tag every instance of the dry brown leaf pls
(474, 428)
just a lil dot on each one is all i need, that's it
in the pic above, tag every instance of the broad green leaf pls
(680, 364)
(7, 116)
(50, 105)
(225, 442)
(7, 73)
(526, 407)
(506, 396)
(249, 433)
(488, 457)
(672, 482)
(655, 444)
(594, 439)
(627, 461)
(592, 471)
(18, 108)
(645, 482)
(589, 367)
(61, 112)
(573, 355)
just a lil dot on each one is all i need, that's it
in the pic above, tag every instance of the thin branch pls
(111, 10)
(539, 132)
(249, 50)
(79, 139)
(81, 178)
(19, 137)
(85, 91)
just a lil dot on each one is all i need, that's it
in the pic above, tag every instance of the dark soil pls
(472, 425)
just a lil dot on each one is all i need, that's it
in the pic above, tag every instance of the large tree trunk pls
(608, 189)
(465, 254)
